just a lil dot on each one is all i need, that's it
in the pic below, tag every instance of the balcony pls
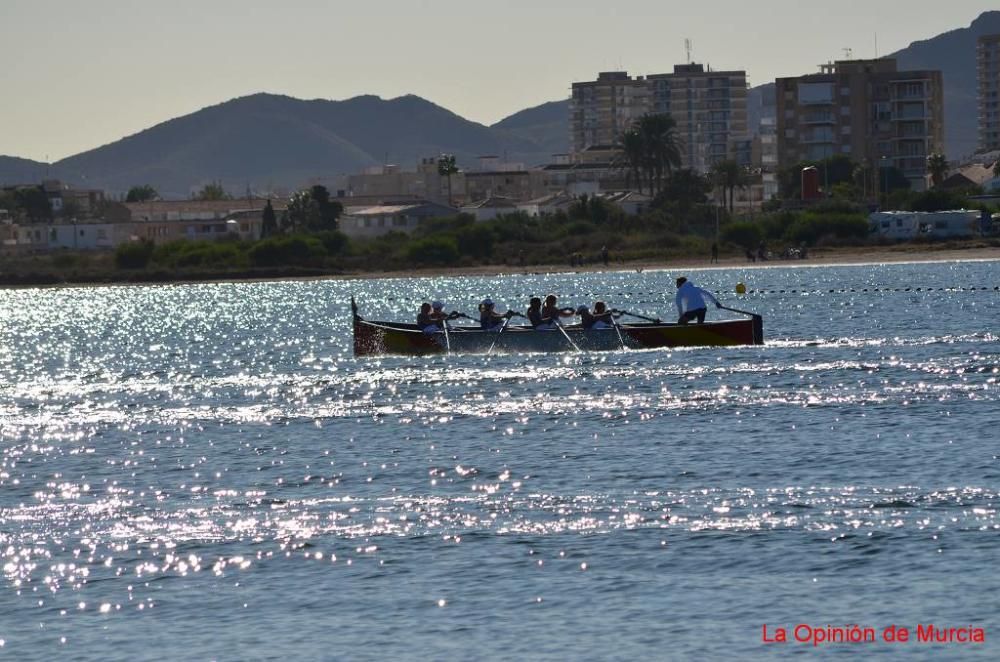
(817, 140)
(818, 118)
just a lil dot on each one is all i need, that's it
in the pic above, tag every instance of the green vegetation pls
(447, 166)
(142, 193)
(27, 202)
(213, 191)
(679, 224)
(311, 210)
(650, 152)
(937, 168)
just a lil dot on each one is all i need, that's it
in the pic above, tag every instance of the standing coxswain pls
(691, 302)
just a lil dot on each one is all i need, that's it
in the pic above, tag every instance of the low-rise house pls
(171, 220)
(375, 221)
(490, 208)
(88, 236)
(503, 180)
(8, 232)
(630, 202)
(970, 176)
(547, 204)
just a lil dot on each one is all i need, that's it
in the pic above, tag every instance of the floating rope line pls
(661, 293)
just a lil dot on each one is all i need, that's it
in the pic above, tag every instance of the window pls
(815, 93)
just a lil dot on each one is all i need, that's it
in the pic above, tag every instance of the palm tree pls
(728, 175)
(632, 157)
(937, 168)
(662, 147)
(446, 168)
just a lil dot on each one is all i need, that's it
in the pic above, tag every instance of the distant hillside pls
(14, 170)
(546, 125)
(268, 141)
(954, 53)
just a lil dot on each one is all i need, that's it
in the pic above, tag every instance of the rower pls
(534, 314)
(586, 318)
(489, 319)
(603, 318)
(551, 313)
(600, 318)
(426, 321)
(438, 314)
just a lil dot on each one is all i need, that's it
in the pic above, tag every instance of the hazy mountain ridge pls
(954, 53)
(15, 170)
(275, 141)
(546, 125)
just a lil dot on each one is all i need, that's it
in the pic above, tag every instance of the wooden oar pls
(566, 335)
(642, 317)
(499, 333)
(447, 335)
(447, 338)
(735, 310)
(614, 323)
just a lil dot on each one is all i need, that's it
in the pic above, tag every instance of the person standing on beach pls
(715, 253)
(691, 302)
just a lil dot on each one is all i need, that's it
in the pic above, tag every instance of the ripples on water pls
(206, 470)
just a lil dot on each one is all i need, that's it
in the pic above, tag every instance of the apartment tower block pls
(988, 60)
(710, 108)
(864, 109)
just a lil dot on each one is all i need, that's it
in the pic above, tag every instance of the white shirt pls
(690, 297)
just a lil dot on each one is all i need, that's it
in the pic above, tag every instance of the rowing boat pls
(374, 338)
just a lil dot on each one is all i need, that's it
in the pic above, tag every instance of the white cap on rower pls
(437, 305)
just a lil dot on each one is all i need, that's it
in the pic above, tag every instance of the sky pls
(75, 75)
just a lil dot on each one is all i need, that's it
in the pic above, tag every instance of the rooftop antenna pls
(876, 46)
(687, 47)
(848, 53)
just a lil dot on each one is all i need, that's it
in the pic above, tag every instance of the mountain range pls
(269, 141)
(273, 142)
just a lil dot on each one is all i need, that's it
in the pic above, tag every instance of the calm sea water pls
(206, 471)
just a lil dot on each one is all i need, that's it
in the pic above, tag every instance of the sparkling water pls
(206, 471)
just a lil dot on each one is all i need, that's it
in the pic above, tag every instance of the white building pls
(906, 225)
(547, 204)
(88, 236)
(376, 221)
(490, 208)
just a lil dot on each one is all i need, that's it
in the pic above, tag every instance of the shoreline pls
(822, 257)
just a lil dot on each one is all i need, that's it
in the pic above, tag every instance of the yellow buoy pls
(741, 288)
